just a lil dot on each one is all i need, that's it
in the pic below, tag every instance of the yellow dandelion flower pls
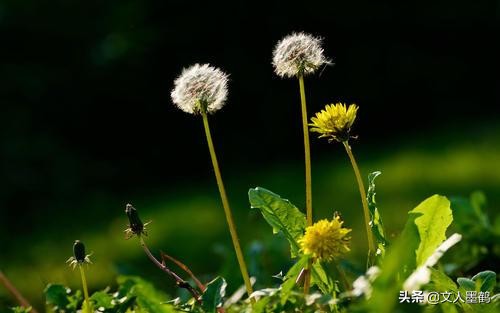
(326, 240)
(335, 121)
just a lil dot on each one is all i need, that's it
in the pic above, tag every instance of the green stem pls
(307, 151)
(85, 290)
(227, 209)
(307, 155)
(366, 212)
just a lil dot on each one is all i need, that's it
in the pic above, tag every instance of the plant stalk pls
(307, 151)
(85, 289)
(307, 157)
(364, 201)
(227, 209)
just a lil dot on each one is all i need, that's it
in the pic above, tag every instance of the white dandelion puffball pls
(298, 53)
(200, 89)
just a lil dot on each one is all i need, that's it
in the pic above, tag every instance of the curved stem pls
(85, 290)
(307, 151)
(366, 212)
(227, 209)
(178, 280)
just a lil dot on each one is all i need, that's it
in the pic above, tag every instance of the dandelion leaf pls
(376, 224)
(282, 215)
(432, 224)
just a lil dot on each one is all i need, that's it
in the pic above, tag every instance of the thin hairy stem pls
(181, 283)
(15, 293)
(364, 201)
(227, 209)
(85, 289)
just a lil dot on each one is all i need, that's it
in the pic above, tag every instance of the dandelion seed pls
(298, 53)
(200, 89)
(335, 121)
(326, 240)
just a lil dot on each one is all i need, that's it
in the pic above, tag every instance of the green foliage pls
(484, 281)
(432, 224)
(424, 231)
(61, 299)
(19, 309)
(213, 296)
(133, 295)
(282, 215)
(375, 218)
(482, 239)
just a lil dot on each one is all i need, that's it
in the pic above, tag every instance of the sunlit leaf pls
(432, 224)
(282, 215)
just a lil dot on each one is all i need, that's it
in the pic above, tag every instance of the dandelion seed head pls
(201, 88)
(326, 240)
(335, 121)
(298, 53)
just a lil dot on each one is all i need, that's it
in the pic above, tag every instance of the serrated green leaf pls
(214, 294)
(432, 224)
(423, 233)
(282, 215)
(376, 224)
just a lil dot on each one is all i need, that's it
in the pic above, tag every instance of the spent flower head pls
(326, 240)
(201, 88)
(135, 226)
(335, 121)
(79, 257)
(298, 53)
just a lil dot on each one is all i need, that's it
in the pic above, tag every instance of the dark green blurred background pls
(87, 125)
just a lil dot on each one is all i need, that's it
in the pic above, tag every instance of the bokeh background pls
(87, 126)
